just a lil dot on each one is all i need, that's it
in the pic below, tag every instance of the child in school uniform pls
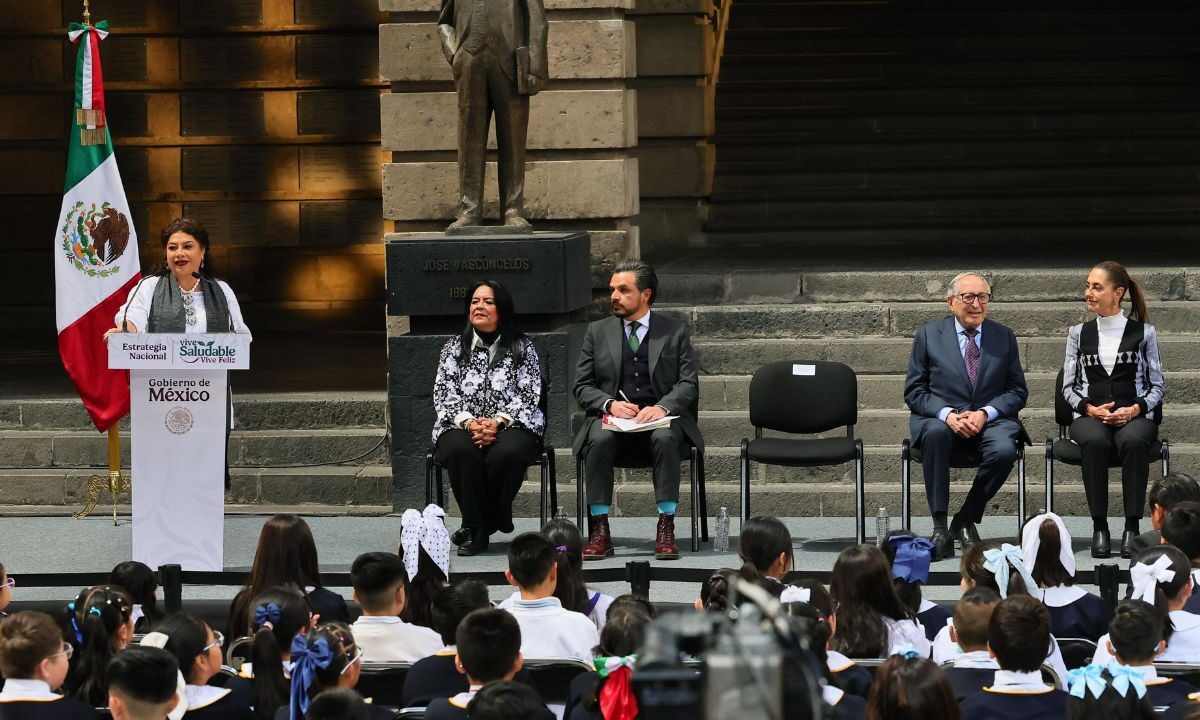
(1162, 576)
(1001, 567)
(871, 619)
(379, 580)
(1018, 632)
(846, 674)
(35, 660)
(139, 580)
(974, 667)
(505, 700)
(489, 650)
(142, 684)
(547, 629)
(909, 557)
(765, 547)
(1135, 640)
(911, 687)
(97, 624)
(570, 589)
(846, 706)
(1181, 528)
(326, 658)
(1112, 693)
(339, 704)
(197, 651)
(1046, 548)
(620, 640)
(277, 616)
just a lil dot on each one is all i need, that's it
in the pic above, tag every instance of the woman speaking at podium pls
(182, 297)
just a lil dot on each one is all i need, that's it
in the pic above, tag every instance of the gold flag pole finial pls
(87, 13)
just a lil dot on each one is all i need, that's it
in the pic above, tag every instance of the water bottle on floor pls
(883, 526)
(721, 541)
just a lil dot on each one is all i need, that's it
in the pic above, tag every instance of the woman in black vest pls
(1113, 378)
(488, 398)
(182, 296)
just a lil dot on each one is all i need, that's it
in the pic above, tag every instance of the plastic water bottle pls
(883, 526)
(721, 541)
(560, 513)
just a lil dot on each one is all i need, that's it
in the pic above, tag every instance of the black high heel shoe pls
(1101, 544)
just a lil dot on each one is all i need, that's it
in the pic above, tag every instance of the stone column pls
(581, 175)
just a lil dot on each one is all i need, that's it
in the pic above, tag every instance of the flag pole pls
(87, 13)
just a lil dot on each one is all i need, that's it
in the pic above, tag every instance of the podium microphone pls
(125, 315)
(215, 288)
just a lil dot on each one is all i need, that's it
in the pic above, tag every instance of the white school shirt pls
(1012, 681)
(201, 696)
(390, 639)
(139, 308)
(599, 614)
(1110, 331)
(837, 662)
(906, 632)
(550, 632)
(976, 660)
(1184, 645)
(945, 649)
(1061, 595)
(24, 690)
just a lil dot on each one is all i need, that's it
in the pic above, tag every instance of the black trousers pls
(997, 446)
(663, 445)
(1132, 443)
(485, 480)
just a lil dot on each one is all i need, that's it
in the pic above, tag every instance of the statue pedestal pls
(428, 275)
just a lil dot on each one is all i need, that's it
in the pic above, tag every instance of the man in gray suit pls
(964, 387)
(497, 49)
(635, 365)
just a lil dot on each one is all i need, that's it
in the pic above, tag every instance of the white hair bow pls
(159, 640)
(425, 529)
(791, 593)
(998, 562)
(1031, 542)
(1145, 578)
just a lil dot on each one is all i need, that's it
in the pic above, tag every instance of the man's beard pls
(620, 311)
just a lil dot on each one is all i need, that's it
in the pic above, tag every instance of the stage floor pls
(61, 544)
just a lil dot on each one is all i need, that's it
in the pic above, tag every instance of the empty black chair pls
(1076, 652)
(383, 682)
(1067, 452)
(642, 459)
(805, 398)
(965, 458)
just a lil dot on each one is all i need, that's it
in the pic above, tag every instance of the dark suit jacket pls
(522, 24)
(672, 372)
(937, 375)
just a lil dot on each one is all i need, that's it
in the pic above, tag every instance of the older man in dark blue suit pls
(964, 387)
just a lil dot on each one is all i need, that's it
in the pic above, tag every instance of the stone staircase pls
(48, 449)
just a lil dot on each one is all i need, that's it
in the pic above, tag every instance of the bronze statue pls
(497, 49)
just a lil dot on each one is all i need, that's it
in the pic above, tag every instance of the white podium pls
(179, 407)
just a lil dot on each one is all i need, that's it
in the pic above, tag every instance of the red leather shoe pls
(664, 539)
(599, 544)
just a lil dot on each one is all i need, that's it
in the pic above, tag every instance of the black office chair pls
(383, 682)
(1067, 452)
(1186, 672)
(1076, 652)
(1049, 675)
(805, 398)
(962, 458)
(547, 500)
(643, 459)
(552, 677)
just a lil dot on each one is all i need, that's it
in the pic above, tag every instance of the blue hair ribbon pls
(913, 556)
(998, 562)
(1081, 680)
(906, 651)
(308, 657)
(1124, 677)
(269, 613)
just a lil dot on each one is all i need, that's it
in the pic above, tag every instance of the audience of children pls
(1111, 693)
(506, 700)
(143, 683)
(1165, 494)
(35, 661)
(97, 624)
(909, 557)
(326, 658)
(819, 629)
(1135, 640)
(571, 591)
(489, 649)
(909, 687)
(436, 675)
(1162, 576)
(425, 547)
(1181, 528)
(379, 581)
(277, 617)
(1018, 633)
(197, 651)
(1046, 550)
(607, 693)
(871, 619)
(547, 629)
(286, 556)
(974, 667)
(139, 581)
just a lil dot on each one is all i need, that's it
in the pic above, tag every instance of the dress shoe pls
(476, 545)
(599, 544)
(943, 544)
(664, 539)
(964, 532)
(1127, 543)
(1101, 544)
(461, 535)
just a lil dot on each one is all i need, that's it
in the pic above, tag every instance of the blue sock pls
(667, 508)
(598, 510)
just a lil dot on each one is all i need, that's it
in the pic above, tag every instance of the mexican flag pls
(95, 245)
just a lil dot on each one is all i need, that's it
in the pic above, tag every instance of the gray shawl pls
(167, 309)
